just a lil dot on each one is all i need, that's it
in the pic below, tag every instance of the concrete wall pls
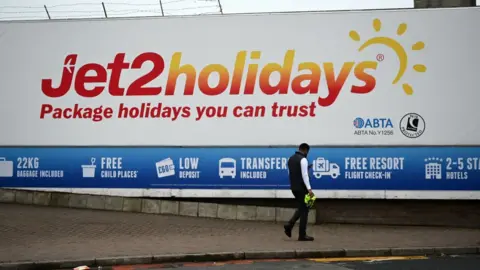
(455, 213)
(151, 206)
(401, 212)
(353, 211)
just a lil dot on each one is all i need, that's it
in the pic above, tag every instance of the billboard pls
(373, 172)
(404, 77)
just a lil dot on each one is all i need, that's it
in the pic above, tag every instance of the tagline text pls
(175, 113)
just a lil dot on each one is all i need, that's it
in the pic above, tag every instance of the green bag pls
(310, 200)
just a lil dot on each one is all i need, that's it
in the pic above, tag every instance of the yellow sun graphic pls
(395, 46)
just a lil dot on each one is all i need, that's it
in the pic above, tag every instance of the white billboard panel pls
(403, 77)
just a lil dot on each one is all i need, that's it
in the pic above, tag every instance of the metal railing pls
(109, 10)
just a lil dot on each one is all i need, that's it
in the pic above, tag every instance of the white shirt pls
(304, 166)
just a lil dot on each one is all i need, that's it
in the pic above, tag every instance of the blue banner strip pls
(396, 168)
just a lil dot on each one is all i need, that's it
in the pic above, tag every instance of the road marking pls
(244, 262)
(369, 259)
(180, 264)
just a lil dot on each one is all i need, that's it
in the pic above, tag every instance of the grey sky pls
(33, 9)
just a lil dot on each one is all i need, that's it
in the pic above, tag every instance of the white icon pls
(227, 167)
(165, 168)
(88, 171)
(433, 168)
(323, 167)
(6, 167)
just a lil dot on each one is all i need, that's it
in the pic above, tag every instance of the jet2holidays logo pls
(373, 126)
(243, 74)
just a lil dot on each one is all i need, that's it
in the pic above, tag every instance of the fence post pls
(104, 10)
(220, 6)
(161, 7)
(48, 13)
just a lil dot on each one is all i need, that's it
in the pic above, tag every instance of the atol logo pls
(382, 123)
(243, 75)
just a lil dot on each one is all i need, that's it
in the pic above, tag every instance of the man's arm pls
(306, 180)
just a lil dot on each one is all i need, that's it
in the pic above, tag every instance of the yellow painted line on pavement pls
(356, 259)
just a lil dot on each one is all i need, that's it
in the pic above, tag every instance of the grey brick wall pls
(381, 212)
(400, 212)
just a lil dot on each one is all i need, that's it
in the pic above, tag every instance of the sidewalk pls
(31, 233)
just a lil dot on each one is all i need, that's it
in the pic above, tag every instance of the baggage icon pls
(323, 167)
(6, 167)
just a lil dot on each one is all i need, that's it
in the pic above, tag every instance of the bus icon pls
(227, 167)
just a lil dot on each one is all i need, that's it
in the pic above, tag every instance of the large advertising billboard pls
(385, 78)
(210, 106)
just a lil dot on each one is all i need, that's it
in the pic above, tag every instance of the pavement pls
(35, 233)
(389, 263)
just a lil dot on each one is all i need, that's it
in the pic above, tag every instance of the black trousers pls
(301, 213)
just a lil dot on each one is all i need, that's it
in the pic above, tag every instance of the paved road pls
(438, 263)
(30, 233)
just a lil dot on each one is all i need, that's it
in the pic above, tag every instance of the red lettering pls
(249, 111)
(67, 113)
(335, 84)
(116, 67)
(65, 82)
(90, 80)
(147, 111)
(293, 110)
(369, 80)
(237, 111)
(96, 114)
(284, 70)
(45, 109)
(138, 88)
(82, 78)
(312, 79)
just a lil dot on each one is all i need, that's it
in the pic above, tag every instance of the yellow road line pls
(356, 259)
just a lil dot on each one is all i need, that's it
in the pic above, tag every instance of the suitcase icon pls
(6, 167)
(322, 166)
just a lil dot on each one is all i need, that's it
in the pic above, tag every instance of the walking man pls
(300, 186)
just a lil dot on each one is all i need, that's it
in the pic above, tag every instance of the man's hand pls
(310, 192)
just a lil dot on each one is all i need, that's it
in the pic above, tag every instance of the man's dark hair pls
(304, 147)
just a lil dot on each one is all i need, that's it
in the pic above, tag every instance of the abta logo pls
(372, 123)
(358, 122)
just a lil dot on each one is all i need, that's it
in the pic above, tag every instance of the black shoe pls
(305, 238)
(288, 230)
